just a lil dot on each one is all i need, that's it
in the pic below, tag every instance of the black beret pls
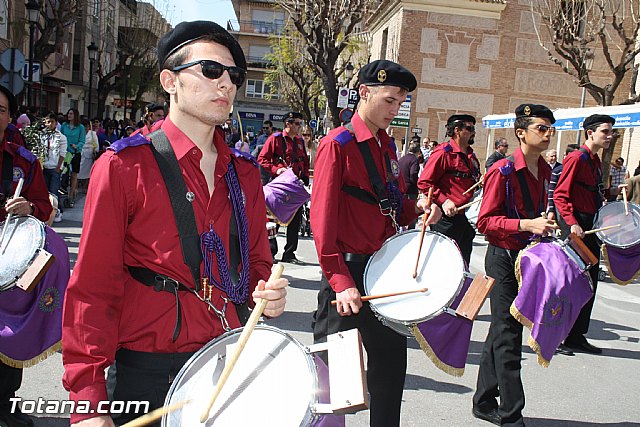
(13, 102)
(535, 110)
(291, 115)
(595, 120)
(461, 118)
(387, 73)
(188, 32)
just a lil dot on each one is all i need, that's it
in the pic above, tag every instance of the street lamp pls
(588, 63)
(93, 54)
(127, 63)
(33, 15)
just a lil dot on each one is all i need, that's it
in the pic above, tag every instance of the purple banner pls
(553, 289)
(623, 264)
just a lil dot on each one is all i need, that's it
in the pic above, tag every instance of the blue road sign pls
(313, 124)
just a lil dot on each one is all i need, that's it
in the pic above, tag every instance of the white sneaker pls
(58, 217)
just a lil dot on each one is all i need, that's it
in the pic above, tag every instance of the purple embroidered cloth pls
(325, 420)
(552, 290)
(445, 338)
(284, 196)
(623, 264)
(31, 323)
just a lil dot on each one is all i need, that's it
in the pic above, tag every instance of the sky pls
(219, 11)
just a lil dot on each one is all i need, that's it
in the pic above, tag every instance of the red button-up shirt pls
(341, 222)
(437, 173)
(26, 165)
(570, 195)
(128, 221)
(272, 158)
(500, 229)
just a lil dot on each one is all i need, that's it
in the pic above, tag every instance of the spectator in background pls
(616, 177)
(309, 145)
(23, 121)
(75, 133)
(551, 157)
(89, 151)
(243, 145)
(637, 171)
(56, 144)
(410, 171)
(556, 170)
(502, 146)
(424, 147)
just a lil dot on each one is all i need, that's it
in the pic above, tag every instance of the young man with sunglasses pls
(281, 151)
(453, 168)
(146, 305)
(351, 219)
(578, 196)
(509, 216)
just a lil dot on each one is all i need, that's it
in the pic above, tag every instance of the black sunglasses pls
(470, 128)
(214, 70)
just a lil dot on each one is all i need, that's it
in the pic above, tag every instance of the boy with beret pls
(514, 197)
(451, 170)
(281, 151)
(147, 306)
(578, 196)
(353, 213)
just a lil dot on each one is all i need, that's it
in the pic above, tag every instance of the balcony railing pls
(258, 62)
(257, 27)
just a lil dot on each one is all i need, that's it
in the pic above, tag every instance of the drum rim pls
(43, 231)
(431, 316)
(601, 234)
(313, 401)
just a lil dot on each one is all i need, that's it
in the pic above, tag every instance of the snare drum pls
(625, 236)
(24, 239)
(441, 270)
(272, 230)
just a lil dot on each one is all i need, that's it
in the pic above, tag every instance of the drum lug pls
(449, 310)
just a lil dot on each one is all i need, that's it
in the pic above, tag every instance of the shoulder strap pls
(182, 209)
(526, 194)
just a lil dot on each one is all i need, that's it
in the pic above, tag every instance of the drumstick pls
(391, 294)
(6, 223)
(624, 197)
(156, 414)
(276, 272)
(595, 230)
(474, 185)
(473, 202)
(424, 227)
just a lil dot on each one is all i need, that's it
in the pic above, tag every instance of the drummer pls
(509, 215)
(578, 196)
(152, 324)
(453, 168)
(17, 162)
(283, 150)
(346, 197)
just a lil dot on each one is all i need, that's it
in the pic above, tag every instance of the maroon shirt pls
(341, 222)
(437, 173)
(571, 195)
(494, 221)
(128, 221)
(272, 157)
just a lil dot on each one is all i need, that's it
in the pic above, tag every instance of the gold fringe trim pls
(518, 272)
(33, 361)
(275, 218)
(614, 278)
(531, 342)
(447, 369)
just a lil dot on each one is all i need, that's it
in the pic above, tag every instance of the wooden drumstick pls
(424, 227)
(595, 230)
(474, 186)
(6, 222)
(156, 414)
(391, 294)
(624, 197)
(276, 272)
(471, 203)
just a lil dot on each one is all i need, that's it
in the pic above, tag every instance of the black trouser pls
(293, 229)
(10, 381)
(593, 243)
(499, 373)
(145, 377)
(386, 349)
(458, 228)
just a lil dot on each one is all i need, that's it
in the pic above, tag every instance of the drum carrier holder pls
(189, 239)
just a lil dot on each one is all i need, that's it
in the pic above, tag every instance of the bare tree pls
(327, 27)
(575, 32)
(56, 17)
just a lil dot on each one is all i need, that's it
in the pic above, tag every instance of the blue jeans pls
(52, 179)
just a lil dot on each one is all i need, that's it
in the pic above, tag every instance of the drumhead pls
(440, 269)
(625, 236)
(473, 211)
(273, 383)
(25, 236)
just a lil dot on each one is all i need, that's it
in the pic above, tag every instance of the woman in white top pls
(88, 151)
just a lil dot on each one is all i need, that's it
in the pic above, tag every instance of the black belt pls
(361, 258)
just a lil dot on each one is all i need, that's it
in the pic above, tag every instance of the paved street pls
(583, 390)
